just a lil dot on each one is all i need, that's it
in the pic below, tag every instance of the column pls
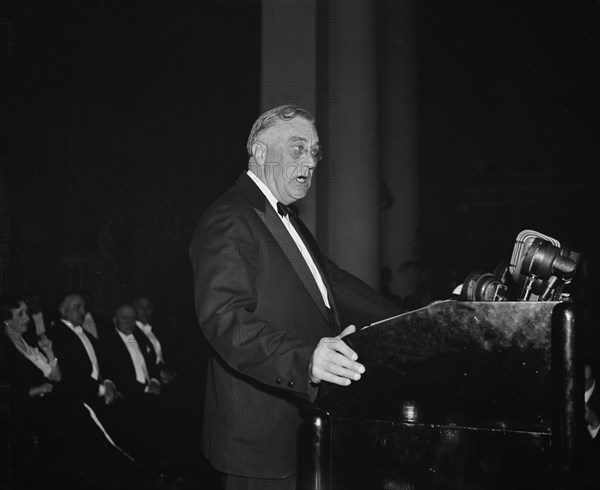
(351, 149)
(398, 143)
(288, 70)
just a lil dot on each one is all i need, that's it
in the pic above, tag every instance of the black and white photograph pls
(299, 244)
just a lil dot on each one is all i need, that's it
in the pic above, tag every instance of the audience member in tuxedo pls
(144, 310)
(131, 363)
(55, 441)
(271, 306)
(80, 361)
(181, 426)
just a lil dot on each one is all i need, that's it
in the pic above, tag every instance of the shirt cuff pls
(593, 432)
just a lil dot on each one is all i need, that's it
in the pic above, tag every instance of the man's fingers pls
(338, 345)
(329, 365)
(347, 331)
(324, 375)
(334, 361)
(332, 358)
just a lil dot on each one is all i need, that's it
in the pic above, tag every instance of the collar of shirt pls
(76, 328)
(144, 326)
(126, 337)
(267, 192)
(294, 234)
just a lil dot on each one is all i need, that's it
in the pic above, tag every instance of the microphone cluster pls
(539, 270)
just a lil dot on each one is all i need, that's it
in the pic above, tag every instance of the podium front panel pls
(455, 395)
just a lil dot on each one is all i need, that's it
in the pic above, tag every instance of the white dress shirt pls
(147, 329)
(139, 363)
(294, 234)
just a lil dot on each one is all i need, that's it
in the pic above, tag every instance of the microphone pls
(523, 242)
(538, 270)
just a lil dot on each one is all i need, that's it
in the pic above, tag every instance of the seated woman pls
(33, 371)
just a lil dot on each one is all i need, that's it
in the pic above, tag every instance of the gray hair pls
(269, 118)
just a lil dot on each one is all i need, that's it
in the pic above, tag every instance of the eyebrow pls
(294, 139)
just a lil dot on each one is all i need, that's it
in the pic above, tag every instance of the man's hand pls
(110, 392)
(45, 343)
(334, 361)
(153, 387)
(41, 390)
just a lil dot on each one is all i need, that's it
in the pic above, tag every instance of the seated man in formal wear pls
(130, 357)
(271, 305)
(84, 396)
(79, 357)
(130, 361)
(144, 310)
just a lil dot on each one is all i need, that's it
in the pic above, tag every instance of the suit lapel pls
(285, 241)
(318, 259)
(293, 254)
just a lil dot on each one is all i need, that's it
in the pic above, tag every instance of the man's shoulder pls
(239, 196)
(57, 330)
(236, 205)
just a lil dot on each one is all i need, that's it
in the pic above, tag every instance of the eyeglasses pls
(300, 151)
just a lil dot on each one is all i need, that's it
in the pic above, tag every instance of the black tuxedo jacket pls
(75, 365)
(118, 366)
(261, 311)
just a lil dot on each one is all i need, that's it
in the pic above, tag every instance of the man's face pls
(285, 159)
(73, 309)
(125, 319)
(143, 310)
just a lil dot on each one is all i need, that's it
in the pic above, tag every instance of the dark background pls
(123, 119)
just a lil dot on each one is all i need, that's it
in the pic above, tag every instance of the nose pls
(309, 162)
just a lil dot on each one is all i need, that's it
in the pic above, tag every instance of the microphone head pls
(523, 242)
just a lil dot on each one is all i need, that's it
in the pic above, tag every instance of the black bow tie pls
(284, 210)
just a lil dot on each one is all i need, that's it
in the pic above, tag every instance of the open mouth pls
(302, 179)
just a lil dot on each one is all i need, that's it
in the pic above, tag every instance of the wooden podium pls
(456, 395)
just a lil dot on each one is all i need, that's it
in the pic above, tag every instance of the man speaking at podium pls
(269, 304)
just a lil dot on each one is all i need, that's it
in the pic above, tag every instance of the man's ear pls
(259, 152)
